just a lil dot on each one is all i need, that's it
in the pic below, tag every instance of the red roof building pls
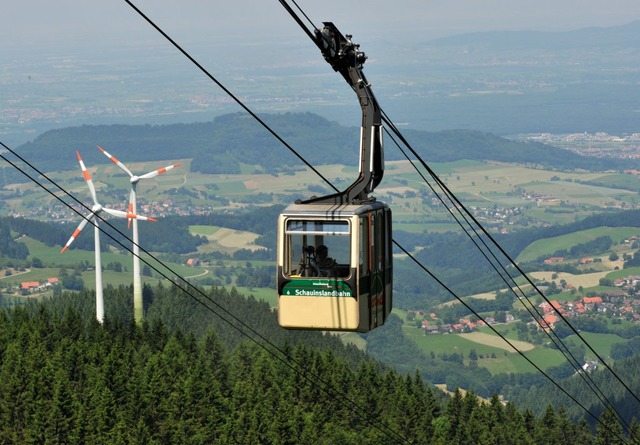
(26, 285)
(592, 300)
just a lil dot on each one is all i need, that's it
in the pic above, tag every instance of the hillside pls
(605, 38)
(67, 379)
(466, 273)
(229, 141)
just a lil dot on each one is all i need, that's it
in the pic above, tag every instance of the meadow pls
(547, 246)
(542, 196)
(222, 239)
(493, 353)
(497, 356)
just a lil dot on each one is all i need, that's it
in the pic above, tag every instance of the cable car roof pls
(332, 210)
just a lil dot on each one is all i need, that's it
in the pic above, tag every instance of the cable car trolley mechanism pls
(334, 267)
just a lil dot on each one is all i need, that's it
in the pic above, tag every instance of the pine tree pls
(609, 430)
(634, 432)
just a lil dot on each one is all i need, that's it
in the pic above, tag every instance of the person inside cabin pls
(324, 263)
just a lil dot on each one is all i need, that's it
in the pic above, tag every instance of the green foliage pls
(633, 261)
(624, 350)
(9, 247)
(179, 379)
(389, 345)
(593, 247)
(72, 282)
(625, 403)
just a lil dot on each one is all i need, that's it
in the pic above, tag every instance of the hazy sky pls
(46, 21)
(236, 40)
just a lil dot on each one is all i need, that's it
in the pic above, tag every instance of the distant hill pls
(598, 37)
(222, 145)
(510, 82)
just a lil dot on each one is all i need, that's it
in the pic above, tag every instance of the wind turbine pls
(138, 308)
(96, 209)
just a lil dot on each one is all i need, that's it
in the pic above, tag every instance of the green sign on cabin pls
(316, 288)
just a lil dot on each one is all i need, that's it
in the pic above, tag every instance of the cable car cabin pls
(334, 252)
(334, 266)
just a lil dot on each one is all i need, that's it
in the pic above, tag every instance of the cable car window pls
(318, 227)
(373, 239)
(318, 248)
(387, 240)
(364, 246)
(379, 242)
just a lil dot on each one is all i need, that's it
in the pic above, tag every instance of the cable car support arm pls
(345, 57)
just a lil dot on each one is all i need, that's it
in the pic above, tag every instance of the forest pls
(187, 376)
(224, 144)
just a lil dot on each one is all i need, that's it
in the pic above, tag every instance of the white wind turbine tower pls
(96, 209)
(138, 308)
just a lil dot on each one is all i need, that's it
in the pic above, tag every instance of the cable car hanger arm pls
(345, 57)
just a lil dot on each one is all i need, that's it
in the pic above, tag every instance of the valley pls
(506, 198)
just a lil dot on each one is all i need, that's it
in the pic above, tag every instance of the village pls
(619, 303)
(156, 209)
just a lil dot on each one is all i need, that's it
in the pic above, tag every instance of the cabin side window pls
(317, 248)
(364, 246)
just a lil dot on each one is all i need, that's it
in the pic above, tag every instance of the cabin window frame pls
(313, 232)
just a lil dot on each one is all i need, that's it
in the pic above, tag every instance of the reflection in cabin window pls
(317, 248)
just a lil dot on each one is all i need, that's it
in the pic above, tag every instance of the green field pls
(52, 255)
(479, 184)
(623, 273)
(225, 240)
(601, 343)
(260, 294)
(446, 344)
(53, 261)
(547, 246)
(203, 230)
(498, 359)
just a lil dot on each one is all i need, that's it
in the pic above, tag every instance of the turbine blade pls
(133, 203)
(76, 232)
(121, 214)
(87, 178)
(115, 161)
(145, 218)
(118, 213)
(160, 171)
(131, 210)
